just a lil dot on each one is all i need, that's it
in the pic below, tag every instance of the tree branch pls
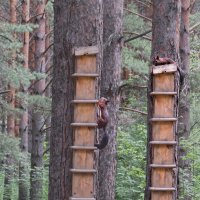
(130, 11)
(138, 36)
(134, 33)
(133, 110)
(194, 26)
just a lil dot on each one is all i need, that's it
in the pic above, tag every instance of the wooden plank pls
(83, 148)
(72, 198)
(82, 185)
(163, 106)
(163, 131)
(84, 124)
(163, 154)
(162, 195)
(162, 189)
(163, 119)
(163, 93)
(162, 178)
(86, 64)
(163, 142)
(84, 136)
(80, 51)
(81, 171)
(85, 84)
(85, 101)
(162, 166)
(83, 159)
(171, 68)
(163, 83)
(85, 75)
(85, 113)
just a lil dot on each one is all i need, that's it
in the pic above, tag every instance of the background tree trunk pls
(23, 170)
(165, 43)
(37, 117)
(110, 80)
(184, 110)
(78, 23)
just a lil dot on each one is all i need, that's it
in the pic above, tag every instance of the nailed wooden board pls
(163, 83)
(85, 113)
(85, 84)
(161, 195)
(163, 106)
(82, 185)
(162, 177)
(163, 131)
(86, 64)
(83, 159)
(164, 69)
(163, 154)
(80, 51)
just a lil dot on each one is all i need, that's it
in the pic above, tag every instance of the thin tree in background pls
(184, 110)
(10, 118)
(78, 23)
(165, 43)
(37, 116)
(110, 80)
(23, 126)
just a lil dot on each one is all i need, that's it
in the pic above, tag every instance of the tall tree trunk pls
(110, 80)
(10, 118)
(23, 170)
(78, 23)
(37, 117)
(184, 110)
(165, 43)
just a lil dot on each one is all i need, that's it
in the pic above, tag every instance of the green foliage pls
(131, 162)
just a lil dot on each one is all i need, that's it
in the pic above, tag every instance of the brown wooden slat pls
(85, 75)
(162, 166)
(162, 189)
(84, 124)
(83, 147)
(171, 68)
(163, 93)
(84, 101)
(164, 119)
(90, 50)
(83, 170)
(163, 142)
(74, 198)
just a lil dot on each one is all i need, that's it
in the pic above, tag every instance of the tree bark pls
(23, 126)
(37, 117)
(110, 80)
(184, 110)
(165, 43)
(77, 23)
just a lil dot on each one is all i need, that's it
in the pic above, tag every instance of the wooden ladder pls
(162, 144)
(84, 123)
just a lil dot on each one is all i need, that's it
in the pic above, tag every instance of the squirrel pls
(162, 61)
(102, 121)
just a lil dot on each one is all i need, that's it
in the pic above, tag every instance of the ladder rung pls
(85, 75)
(163, 142)
(85, 101)
(76, 198)
(83, 170)
(163, 165)
(163, 93)
(163, 119)
(83, 147)
(162, 189)
(84, 124)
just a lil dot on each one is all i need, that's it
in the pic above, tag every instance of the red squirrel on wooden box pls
(162, 61)
(102, 121)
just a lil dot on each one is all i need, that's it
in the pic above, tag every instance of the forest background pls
(25, 97)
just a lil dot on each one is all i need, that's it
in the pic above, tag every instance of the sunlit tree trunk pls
(23, 126)
(37, 116)
(165, 43)
(184, 119)
(77, 23)
(110, 80)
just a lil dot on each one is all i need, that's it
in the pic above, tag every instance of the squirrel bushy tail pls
(103, 142)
